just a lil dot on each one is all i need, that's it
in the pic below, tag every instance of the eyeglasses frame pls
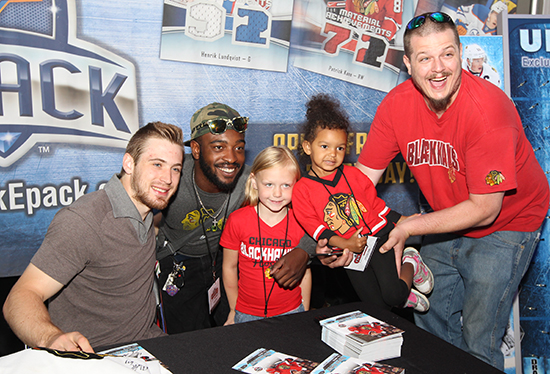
(228, 123)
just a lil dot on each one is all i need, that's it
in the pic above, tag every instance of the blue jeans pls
(241, 317)
(475, 279)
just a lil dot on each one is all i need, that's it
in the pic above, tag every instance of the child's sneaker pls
(417, 301)
(423, 278)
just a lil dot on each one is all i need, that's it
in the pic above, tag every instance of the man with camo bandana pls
(211, 187)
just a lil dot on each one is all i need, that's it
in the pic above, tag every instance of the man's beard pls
(213, 178)
(439, 105)
(142, 196)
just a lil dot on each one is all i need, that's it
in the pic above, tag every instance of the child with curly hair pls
(339, 203)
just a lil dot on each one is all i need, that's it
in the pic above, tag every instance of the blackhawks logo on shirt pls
(494, 178)
(452, 174)
(343, 212)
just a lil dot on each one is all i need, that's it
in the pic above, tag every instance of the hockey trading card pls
(268, 361)
(252, 34)
(358, 41)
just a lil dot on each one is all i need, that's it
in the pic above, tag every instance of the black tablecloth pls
(216, 350)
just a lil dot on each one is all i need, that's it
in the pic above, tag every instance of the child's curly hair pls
(324, 112)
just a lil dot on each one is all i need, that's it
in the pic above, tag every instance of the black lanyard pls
(266, 296)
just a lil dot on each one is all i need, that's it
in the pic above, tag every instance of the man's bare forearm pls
(29, 319)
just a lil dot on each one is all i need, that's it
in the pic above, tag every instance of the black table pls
(217, 349)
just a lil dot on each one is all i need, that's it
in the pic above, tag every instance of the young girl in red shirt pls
(257, 235)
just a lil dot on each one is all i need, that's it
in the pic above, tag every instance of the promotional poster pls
(527, 38)
(78, 78)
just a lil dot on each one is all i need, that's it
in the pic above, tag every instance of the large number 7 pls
(336, 37)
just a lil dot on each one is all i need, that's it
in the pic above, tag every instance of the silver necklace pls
(215, 215)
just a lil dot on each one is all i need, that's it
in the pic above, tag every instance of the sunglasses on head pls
(220, 125)
(437, 17)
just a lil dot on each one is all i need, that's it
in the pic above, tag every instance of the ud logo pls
(56, 88)
(532, 40)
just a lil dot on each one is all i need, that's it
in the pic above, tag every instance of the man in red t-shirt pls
(464, 142)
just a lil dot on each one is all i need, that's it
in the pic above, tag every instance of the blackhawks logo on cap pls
(494, 177)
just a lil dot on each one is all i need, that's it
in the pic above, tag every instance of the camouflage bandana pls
(211, 111)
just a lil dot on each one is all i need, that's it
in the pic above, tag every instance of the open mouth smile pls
(228, 169)
(160, 190)
(438, 82)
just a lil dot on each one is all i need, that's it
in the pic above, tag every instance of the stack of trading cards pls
(358, 335)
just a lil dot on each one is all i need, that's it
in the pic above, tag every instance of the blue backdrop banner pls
(77, 78)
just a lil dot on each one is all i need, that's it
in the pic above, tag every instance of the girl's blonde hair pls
(270, 157)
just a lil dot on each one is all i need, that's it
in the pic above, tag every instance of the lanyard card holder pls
(361, 260)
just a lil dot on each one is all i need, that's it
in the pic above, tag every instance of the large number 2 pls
(371, 50)
(256, 31)
(205, 21)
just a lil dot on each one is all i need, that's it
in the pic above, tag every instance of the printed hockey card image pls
(358, 41)
(482, 56)
(268, 361)
(252, 34)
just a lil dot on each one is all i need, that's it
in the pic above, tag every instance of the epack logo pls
(57, 88)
